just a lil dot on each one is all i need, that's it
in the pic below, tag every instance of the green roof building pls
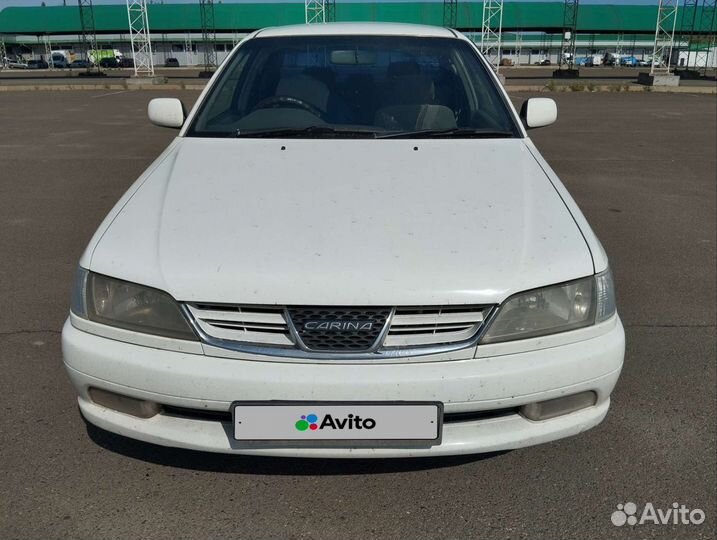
(532, 30)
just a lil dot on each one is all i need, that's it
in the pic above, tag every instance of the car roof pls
(353, 29)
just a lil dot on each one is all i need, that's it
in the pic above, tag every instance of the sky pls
(6, 3)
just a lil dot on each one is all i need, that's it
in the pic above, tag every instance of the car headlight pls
(127, 305)
(554, 309)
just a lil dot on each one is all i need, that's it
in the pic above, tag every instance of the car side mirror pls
(166, 112)
(539, 112)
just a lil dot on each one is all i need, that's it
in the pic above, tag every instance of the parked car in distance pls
(110, 62)
(428, 287)
(630, 61)
(658, 62)
(171, 62)
(37, 64)
(80, 64)
(545, 62)
(591, 60)
(126, 62)
(15, 63)
(59, 61)
(609, 59)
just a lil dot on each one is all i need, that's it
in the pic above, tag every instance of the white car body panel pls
(279, 226)
(597, 251)
(208, 383)
(346, 223)
(357, 28)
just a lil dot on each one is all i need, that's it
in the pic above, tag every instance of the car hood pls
(343, 222)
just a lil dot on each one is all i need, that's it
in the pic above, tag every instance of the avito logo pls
(308, 421)
(352, 421)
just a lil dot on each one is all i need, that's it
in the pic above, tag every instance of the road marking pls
(111, 93)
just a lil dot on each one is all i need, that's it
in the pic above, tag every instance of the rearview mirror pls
(353, 57)
(539, 112)
(166, 112)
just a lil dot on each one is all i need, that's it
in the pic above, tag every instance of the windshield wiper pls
(306, 132)
(457, 133)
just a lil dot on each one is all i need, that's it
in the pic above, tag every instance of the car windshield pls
(354, 86)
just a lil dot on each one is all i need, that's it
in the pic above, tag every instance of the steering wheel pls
(288, 101)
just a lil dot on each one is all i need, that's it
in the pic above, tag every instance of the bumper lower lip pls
(503, 433)
(202, 382)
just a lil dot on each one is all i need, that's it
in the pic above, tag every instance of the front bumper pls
(194, 381)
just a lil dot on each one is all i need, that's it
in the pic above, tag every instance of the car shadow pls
(275, 466)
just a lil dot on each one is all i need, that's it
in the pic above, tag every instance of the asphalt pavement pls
(642, 167)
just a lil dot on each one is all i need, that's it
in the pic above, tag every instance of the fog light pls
(124, 404)
(558, 406)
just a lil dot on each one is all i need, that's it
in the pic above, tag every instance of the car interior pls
(370, 89)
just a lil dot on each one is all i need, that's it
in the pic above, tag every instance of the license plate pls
(337, 424)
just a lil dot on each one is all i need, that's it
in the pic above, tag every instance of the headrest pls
(409, 90)
(304, 88)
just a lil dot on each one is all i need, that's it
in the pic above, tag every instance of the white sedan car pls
(351, 249)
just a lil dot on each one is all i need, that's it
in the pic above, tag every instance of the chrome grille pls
(339, 329)
(251, 324)
(434, 325)
(332, 332)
